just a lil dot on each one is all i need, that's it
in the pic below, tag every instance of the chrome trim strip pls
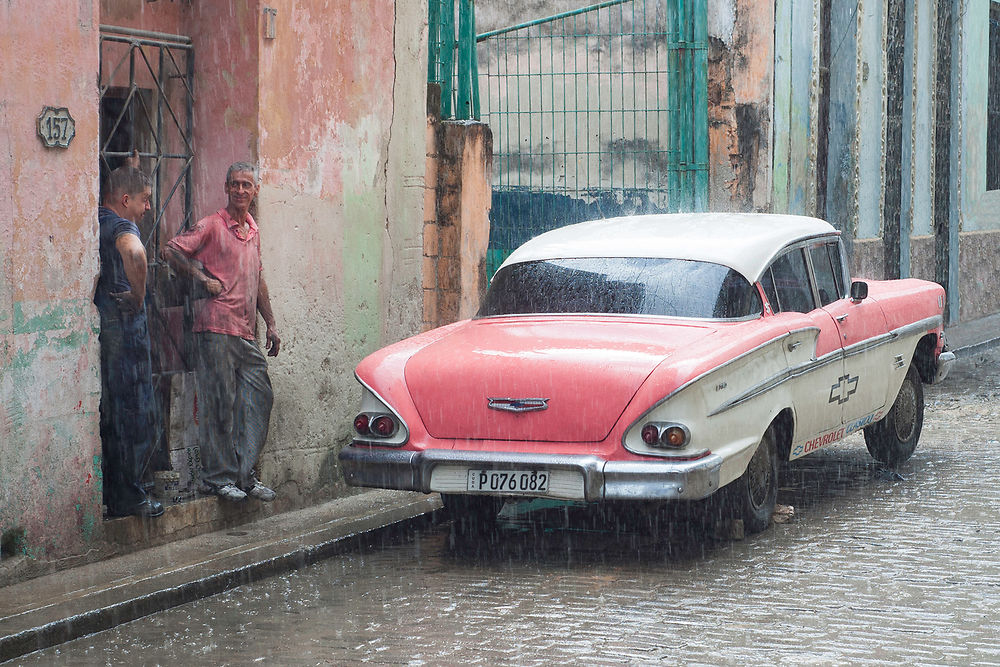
(921, 326)
(517, 404)
(687, 384)
(777, 380)
(869, 344)
(719, 367)
(642, 316)
(849, 351)
(602, 480)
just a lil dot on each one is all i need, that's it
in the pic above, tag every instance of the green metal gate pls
(596, 112)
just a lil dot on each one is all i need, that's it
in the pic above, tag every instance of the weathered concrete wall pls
(331, 107)
(795, 119)
(455, 240)
(50, 492)
(979, 212)
(870, 149)
(740, 86)
(226, 38)
(340, 210)
(979, 277)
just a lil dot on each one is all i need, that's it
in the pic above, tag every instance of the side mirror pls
(859, 291)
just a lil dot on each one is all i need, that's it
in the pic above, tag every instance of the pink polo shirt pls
(232, 258)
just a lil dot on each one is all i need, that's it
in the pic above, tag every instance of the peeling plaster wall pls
(795, 88)
(979, 212)
(226, 38)
(342, 154)
(50, 493)
(740, 82)
(869, 175)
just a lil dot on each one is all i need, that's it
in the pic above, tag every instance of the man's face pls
(136, 204)
(241, 189)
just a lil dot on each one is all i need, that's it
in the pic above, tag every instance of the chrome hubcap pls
(759, 475)
(905, 421)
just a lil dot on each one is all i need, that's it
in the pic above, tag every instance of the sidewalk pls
(968, 338)
(58, 607)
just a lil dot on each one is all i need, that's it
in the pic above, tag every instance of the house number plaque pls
(56, 127)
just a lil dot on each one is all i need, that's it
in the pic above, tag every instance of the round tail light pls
(673, 436)
(650, 434)
(383, 426)
(361, 424)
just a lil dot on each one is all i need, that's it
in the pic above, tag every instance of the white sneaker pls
(230, 492)
(260, 492)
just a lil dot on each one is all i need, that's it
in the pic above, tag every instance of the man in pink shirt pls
(222, 253)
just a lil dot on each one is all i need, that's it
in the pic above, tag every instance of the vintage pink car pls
(652, 358)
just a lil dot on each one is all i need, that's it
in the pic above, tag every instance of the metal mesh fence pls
(581, 110)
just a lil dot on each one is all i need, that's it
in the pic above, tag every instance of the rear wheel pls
(893, 439)
(472, 515)
(753, 495)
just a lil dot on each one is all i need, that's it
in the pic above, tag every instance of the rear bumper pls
(601, 480)
(944, 363)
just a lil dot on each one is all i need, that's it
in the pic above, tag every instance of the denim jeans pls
(127, 408)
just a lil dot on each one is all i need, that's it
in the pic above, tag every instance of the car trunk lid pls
(565, 380)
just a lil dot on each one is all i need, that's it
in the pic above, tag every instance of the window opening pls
(993, 103)
(826, 274)
(146, 102)
(791, 283)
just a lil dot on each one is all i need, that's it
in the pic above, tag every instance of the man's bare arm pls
(134, 261)
(183, 264)
(272, 341)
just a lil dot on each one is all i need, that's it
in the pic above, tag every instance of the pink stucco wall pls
(49, 445)
(341, 150)
(332, 108)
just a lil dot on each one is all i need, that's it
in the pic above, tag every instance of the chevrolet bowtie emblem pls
(518, 404)
(845, 388)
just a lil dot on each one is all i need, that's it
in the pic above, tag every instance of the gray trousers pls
(234, 401)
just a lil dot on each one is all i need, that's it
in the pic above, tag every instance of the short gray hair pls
(243, 166)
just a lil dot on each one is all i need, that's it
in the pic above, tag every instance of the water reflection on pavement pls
(876, 566)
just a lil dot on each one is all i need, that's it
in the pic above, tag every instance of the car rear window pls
(621, 285)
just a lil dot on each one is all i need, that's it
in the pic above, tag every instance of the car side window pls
(790, 277)
(826, 265)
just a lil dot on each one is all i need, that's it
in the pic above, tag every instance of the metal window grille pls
(146, 84)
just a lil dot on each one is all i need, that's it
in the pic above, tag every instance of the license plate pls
(509, 481)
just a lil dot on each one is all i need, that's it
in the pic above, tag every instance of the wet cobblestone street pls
(875, 567)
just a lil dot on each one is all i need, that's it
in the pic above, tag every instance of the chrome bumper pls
(602, 480)
(944, 364)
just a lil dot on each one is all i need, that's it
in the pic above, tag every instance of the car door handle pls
(792, 346)
(841, 318)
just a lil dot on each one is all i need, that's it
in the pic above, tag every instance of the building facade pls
(322, 97)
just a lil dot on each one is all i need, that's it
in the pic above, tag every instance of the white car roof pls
(746, 242)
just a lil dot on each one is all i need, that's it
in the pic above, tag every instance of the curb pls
(976, 348)
(176, 587)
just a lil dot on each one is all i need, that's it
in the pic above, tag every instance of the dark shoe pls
(148, 508)
(260, 492)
